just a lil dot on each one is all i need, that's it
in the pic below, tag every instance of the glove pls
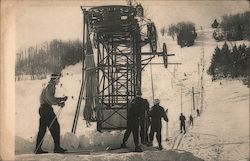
(61, 104)
(65, 98)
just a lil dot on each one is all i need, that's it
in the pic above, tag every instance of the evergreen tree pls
(236, 27)
(225, 60)
(52, 57)
(215, 24)
(232, 63)
(213, 69)
(235, 58)
(185, 32)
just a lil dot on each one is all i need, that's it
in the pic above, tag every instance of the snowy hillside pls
(221, 133)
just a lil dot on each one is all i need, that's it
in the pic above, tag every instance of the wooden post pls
(152, 83)
(193, 98)
(181, 100)
(202, 74)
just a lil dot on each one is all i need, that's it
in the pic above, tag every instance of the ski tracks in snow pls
(177, 141)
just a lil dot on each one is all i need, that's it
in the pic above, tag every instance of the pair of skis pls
(92, 151)
(110, 150)
(144, 147)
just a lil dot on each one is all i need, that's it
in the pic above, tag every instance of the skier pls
(198, 112)
(191, 120)
(48, 117)
(183, 125)
(135, 112)
(156, 113)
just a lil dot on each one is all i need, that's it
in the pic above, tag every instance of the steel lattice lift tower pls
(113, 38)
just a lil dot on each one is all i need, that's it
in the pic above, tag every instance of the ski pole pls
(167, 131)
(145, 128)
(56, 116)
(167, 125)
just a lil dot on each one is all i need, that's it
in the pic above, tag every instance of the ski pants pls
(183, 126)
(191, 123)
(133, 126)
(158, 134)
(47, 116)
(144, 131)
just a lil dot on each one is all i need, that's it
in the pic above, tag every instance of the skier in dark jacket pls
(136, 111)
(183, 125)
(48, 117)
(191, 120)
(156, 113)
(198, 112)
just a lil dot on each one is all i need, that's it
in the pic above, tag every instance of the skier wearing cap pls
(135, 113)
(48, 117)
(156, 113)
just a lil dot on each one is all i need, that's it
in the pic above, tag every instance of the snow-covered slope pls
(221, 133)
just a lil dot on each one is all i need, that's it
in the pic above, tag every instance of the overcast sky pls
(37, 22)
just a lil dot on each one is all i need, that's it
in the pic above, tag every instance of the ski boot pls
(123, 145)
(160, 147)
(40, 151)
(150, 143)
(59, 150)
(138, 149)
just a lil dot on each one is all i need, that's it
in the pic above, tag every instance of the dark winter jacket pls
(137, 109)
(182, 118)
(156, 113)
(190, 118)
(48, 95)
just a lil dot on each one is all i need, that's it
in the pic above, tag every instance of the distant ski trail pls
(179, 137)
(179, 143)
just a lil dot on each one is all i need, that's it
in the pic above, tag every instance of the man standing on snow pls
(198, 112)
(156, 113)
(191, 120)
(136, 111)
(48, 117)
(183, 125)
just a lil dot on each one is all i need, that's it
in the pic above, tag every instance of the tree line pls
(50, 57)
(232, 63)
(233, 27)
(184, 31)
